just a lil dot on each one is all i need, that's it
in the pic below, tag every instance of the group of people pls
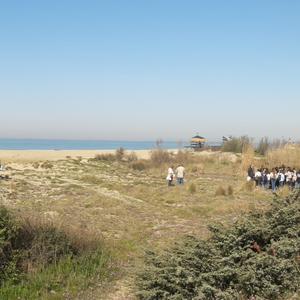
(178, 174)
(275, 178)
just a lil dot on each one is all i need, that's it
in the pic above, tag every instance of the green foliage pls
(8, 235)
(257, 257)
(38, 258)
(263, 146)
(63, 280)
(237, 144)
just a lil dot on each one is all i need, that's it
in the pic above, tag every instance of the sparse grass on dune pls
(130, 205)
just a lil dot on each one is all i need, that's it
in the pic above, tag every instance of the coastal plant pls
(120, 153)
(105, 157)
(289, 155)
(220, 191)
(237, 144)
(263, 146)
(160, 156)
(192, 188)
(230, 190)
(139, 165)
(47, 165)
(256, 258)
(38, 256)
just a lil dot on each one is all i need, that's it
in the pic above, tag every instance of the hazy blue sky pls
(149, 69)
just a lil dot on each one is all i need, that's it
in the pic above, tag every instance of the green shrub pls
(237, 144)
(8, 235)
(256, 258)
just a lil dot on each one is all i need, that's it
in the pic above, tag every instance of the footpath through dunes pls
(133, 210)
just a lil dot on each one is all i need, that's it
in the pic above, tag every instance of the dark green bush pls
(8, 234)
(257, 257)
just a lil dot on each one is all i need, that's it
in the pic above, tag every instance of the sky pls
(143, 70)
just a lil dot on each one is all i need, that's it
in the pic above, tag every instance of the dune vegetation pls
(79, 228)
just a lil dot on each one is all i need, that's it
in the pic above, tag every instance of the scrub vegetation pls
(80, 228)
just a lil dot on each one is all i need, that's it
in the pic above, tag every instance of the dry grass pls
(247, 158)
(289, 155)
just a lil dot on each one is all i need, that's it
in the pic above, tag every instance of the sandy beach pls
(7, 156)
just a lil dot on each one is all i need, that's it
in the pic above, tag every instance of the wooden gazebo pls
(197, 142)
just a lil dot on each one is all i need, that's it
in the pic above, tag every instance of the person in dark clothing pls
(251, 172)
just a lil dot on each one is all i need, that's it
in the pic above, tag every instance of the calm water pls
(33, 144)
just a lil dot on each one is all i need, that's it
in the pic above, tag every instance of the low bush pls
(237, 144)
(230, 190)
(192, 188)
(160, 156)
(105, 157)
(47, 165)
(139, 165)
(263, 146)
(220, 191)
(249, 186)
(256, 258)
(120, 153)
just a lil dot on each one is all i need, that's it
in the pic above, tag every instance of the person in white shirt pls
(281, 178)
(180, 172)
(170, 176)
(258, 177)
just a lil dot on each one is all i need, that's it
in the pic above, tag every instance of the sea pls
(49, 144)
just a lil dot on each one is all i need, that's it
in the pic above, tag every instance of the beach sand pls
(7, 156)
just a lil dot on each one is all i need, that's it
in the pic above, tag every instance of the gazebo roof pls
(198, 139)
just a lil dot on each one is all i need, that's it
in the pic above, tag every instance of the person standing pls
(250, 173)
(180, 173)
(258, 177)
(170, 176)
(273, 178)
(297, 184)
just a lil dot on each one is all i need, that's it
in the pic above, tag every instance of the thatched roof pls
(198, 139)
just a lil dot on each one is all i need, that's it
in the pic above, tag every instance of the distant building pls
(227, 138)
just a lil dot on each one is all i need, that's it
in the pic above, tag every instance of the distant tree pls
(263, 146)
